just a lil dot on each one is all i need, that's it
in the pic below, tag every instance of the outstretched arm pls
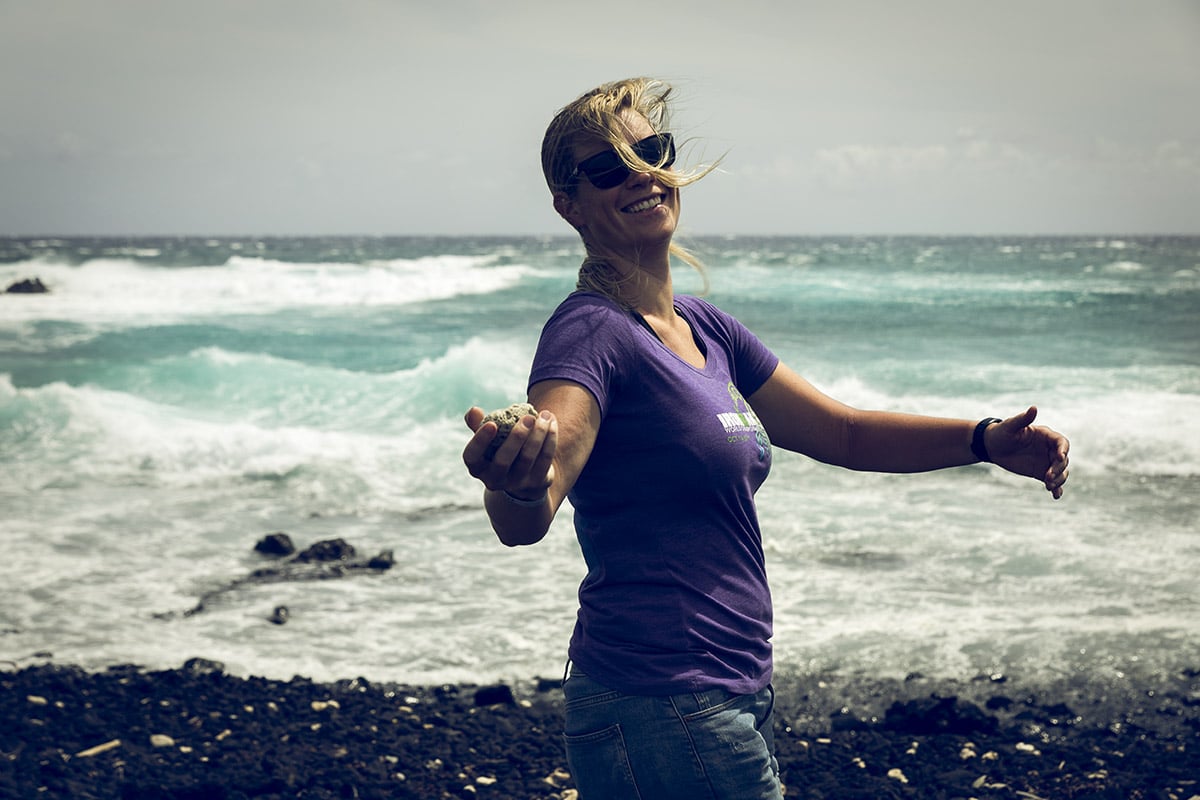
(530, 474)
(799, 417)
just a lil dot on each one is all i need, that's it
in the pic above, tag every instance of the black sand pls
(66, 733)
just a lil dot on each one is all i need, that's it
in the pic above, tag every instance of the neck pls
(654, 295)
(643, 278)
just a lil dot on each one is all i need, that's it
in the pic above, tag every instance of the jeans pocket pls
(709, 703)
(581, 692)
(599, 763)
(733, 739)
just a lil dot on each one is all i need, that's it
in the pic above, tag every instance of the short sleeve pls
(751, 362)
(586, 340)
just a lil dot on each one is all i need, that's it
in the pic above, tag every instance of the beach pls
(198, 732)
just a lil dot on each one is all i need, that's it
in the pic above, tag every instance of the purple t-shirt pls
(676, 597)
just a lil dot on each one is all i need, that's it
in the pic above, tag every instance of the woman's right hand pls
(523, 465)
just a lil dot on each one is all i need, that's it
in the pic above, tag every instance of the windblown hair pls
(596, 115)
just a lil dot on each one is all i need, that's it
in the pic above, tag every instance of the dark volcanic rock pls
(938, 715)
(27, 286)
(328, 550)
(327, 559)
(197, 732)
(500, 694)
(275, 544)
(385, 560)
(202, 666)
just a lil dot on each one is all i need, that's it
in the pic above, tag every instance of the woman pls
(656, 417)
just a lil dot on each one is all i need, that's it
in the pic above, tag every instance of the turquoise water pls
(173, 400)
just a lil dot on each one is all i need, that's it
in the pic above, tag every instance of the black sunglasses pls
(606, 170)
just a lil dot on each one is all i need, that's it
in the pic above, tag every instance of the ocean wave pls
(271, 391)
(1123, 267)
(100, 442)
(1144, 434)
(106, 291)
(824, 287)
(216, 421)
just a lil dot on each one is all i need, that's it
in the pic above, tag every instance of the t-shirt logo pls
(742, 423)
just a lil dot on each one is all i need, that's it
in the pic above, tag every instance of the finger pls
(1057, 486)
(525, 466)
(510, 449)
(475, 453)
(529, 469)
(1059, 459)
(1010, 434)
(1016, 422)
(542, 465)
(474, 417)
(1055, 477)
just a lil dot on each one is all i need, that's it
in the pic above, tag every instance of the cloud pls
(70, 146)
(853, 161)
(1178, 156)
(970, 153)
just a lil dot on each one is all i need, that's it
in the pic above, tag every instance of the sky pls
(298, 117)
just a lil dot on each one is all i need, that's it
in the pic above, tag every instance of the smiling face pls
(637, 215)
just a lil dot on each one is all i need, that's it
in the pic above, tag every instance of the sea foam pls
(115, 290)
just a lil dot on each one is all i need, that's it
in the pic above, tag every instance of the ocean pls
(171, 401)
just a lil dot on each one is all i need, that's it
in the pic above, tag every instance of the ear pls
(568, 209)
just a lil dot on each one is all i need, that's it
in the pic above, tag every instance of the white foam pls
(1123, 267)
(329, 438)
(115, 290)
(1149, 433)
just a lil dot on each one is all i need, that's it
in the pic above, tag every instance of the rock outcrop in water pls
(27, 286)
(324, 560)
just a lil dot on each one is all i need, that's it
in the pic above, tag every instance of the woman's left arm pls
(800, 417)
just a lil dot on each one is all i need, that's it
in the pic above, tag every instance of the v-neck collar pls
(700, 345)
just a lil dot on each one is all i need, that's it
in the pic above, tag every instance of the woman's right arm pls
(530, 474)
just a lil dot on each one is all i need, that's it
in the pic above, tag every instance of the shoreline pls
(196, 731)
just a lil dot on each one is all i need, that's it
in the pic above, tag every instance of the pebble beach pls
(198, 732)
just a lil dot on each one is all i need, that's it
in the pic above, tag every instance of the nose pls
(638, 178)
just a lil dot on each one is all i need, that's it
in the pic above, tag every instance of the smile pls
(643, 205)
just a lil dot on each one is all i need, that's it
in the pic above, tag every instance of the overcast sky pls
(376, 117)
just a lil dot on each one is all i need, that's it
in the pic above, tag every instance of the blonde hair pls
(596, 115)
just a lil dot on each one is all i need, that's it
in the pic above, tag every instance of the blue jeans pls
(709, 745)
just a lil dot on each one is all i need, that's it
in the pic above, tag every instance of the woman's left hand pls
(1033, 451)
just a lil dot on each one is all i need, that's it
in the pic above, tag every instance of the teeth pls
(645, 205)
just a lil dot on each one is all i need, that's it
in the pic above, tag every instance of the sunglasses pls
(606, 170)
